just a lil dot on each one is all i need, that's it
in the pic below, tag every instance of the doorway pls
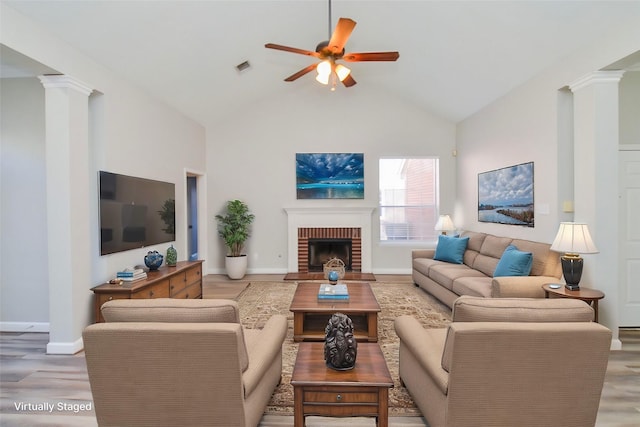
(629, 167)
(192, 217)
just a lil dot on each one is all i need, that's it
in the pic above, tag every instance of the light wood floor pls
(29, 376)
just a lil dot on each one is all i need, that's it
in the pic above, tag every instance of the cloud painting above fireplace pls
(330, 176)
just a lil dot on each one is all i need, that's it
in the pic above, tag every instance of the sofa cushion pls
(451, 249)
(475, 240)
(514, 262)
(540, 310)
(446, 273)
(545, 261)
(473, 247)
(475, 286)
(423, 265)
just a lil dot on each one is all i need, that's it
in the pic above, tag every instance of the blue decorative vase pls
(153, 260)
(333, 277)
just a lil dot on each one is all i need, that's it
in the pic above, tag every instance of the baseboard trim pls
(65, 347)
(24, 326)
(616, 344)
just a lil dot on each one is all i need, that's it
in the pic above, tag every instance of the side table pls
(590, 296)
(321, 391)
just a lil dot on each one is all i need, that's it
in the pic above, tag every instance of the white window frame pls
(391, 190)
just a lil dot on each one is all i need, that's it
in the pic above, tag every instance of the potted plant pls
(233, 228)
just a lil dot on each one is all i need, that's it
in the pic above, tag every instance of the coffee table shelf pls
(310, 316)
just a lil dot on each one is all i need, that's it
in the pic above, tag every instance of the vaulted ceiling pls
(455, 56)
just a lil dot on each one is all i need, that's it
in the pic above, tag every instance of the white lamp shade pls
(444, 224)
(574, 238)
(342, 72)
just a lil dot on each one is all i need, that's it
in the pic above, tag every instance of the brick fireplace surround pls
(348, 222)
(346, 233)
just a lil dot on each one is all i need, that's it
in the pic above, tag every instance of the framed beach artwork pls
(329, 175)
(505, 196)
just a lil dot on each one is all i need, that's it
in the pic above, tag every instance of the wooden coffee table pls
(360, 392)
(311, 316)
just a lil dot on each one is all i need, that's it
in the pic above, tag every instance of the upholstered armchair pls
(170, 362)
(507, 362)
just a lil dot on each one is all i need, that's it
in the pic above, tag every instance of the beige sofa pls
(170, 362)
(447, 281)
(506, 362)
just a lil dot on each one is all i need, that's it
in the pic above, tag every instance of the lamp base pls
(572, 270)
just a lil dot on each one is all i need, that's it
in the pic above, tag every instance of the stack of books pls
(131, 274)
(333, 292)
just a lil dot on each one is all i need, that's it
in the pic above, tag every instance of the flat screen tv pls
(135, 212)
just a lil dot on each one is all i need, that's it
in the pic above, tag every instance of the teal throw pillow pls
(451, 249)
(514, 263)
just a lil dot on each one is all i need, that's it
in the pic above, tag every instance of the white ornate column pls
(596, 139)
(68, 214)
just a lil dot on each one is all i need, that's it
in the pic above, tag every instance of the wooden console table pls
(182, 281)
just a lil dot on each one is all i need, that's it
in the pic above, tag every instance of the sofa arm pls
(520, 286)
(264, 351)
(423, 253)
(426, 346)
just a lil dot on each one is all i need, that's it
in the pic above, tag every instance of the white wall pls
(23, 225)
(251, 156)
(630, 108)
(130, 133)
(523, 126)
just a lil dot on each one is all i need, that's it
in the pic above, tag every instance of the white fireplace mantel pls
(351, 216)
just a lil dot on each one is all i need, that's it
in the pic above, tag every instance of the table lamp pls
(573, 239)
(444, 224)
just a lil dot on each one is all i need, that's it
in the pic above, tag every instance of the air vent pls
(243, 66)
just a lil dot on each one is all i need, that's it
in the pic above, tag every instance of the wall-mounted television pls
(135, 212)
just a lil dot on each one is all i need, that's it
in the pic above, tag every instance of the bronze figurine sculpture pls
(340, 346)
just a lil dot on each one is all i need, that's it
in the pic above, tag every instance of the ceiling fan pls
(328, 52)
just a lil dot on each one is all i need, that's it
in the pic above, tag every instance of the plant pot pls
(236, 266)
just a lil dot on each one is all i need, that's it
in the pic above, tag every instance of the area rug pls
(260, 300)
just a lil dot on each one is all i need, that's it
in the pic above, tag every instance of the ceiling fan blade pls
(291, 49)
(341, 34)
(348, 81)
(301, 73)
(371, 56)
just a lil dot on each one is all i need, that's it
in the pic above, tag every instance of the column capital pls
(611, 76)
(66, 82)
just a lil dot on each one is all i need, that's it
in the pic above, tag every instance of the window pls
(408, 199)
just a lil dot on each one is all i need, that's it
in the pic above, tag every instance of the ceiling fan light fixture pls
(324, 68)
(324, 71)
(323, 78)
(342, 72)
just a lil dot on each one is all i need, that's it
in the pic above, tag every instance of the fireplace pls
(329, 222)
(322, 250)
(316, 245)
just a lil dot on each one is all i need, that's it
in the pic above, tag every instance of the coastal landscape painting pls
(505, 196)
(330, 175)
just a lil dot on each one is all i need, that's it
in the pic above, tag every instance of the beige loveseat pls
(171, 362)
(506, 362)
(447, 281)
